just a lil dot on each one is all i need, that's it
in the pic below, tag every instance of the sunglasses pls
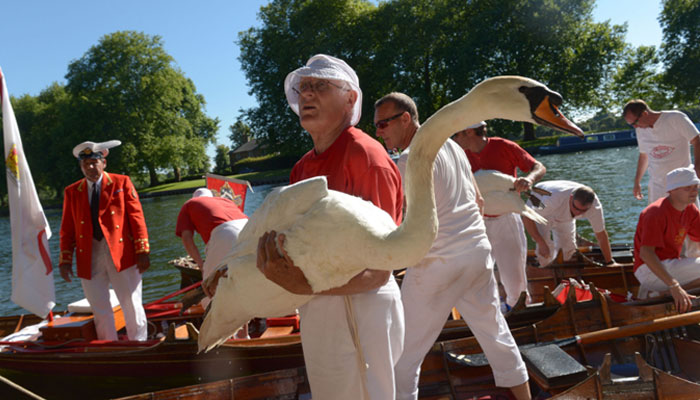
(634, 123)
(581, 210)
(383, 123)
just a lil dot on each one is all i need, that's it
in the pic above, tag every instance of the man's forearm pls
(604, 243)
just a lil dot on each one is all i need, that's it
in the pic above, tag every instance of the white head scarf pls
(322, 66)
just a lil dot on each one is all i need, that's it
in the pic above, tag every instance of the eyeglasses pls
(318, 86)
(634, 123)
(383, 123)
(581, 210)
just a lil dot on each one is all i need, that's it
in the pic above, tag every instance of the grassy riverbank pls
(254, 178)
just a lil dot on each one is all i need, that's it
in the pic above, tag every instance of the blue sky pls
(40, 39)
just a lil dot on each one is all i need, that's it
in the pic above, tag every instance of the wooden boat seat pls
(77, 326)
(282, 326)
(551, 367)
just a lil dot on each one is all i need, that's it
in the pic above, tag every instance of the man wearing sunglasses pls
(664, 139)
(326, 95)
(569, 201)
(458, 269)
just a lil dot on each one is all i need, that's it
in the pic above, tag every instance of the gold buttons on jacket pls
(81, 250)
(121, 240)
(81, 236)
(112, 212)
(82, 222)
(117, 226)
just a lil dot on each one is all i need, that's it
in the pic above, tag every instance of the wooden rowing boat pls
(650, 384)
(442, 377)
(80, 368)
(282, 384)
(586, 267)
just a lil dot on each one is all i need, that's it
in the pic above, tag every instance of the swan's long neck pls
(412, 240)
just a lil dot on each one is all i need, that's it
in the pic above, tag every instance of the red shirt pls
(663, 227)
(203, 214)
(356, 164)
(501, 155)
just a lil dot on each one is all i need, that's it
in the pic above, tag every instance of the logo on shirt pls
(680, 236)
(659, 152)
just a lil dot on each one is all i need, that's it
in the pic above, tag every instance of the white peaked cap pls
(102, 147)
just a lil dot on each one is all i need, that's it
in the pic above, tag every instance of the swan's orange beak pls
(547, 114)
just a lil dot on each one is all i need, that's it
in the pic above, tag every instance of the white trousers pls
(429, 291)
(329, 350)
(506, 234)
(557, 236)
(221, 242)
(684, 270)
(127, 287)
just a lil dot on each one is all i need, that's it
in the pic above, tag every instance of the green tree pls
(292, 31)
(435, 51)
(222, 162)
(240, 133)
(680, 21)
(127, 87)
(639, 76)
(46, 124)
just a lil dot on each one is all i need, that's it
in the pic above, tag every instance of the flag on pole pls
(229, 188)
(32, 280)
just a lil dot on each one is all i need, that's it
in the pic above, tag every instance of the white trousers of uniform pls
(429, 291)
(684, 270)
(127, 287)
(221, 242)
(329, 350)
(506, 234)
(557, 236)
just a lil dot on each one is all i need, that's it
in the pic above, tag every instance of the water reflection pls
(609, 172)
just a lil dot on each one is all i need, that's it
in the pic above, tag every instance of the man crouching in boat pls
(661, 230)
(104, 223)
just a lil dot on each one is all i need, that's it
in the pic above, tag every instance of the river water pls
(610, 172)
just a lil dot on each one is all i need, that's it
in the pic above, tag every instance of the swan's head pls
(522, 99)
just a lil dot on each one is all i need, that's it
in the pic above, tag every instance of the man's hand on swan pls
(212, 281)
(522, 184)
(279, 268)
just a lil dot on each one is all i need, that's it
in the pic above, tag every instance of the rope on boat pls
(20, 388)
(361, 364)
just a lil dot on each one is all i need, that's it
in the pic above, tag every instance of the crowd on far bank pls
(476, 245)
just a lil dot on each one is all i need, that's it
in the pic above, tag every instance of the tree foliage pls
(240, 133)
(127, 87)
(434, 51)
(680, 21)
(222, 162)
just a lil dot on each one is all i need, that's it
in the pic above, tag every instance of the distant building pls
(248, 149)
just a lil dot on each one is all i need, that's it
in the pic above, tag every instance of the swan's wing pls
(324, 243)
(244, 294)
(489, 181)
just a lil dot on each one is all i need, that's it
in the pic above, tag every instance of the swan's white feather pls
(495, 188)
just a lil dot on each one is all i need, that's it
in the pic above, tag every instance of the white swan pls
(499, 196)
(333, 236)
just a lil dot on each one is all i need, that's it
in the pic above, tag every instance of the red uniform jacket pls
(121, 219)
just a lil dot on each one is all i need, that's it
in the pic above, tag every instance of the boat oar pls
(640, 328)
(171, 295)
(20, 388)
(658, 324)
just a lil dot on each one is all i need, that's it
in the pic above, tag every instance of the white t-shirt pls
(556, 207)
(667, 143)
(461, 226)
